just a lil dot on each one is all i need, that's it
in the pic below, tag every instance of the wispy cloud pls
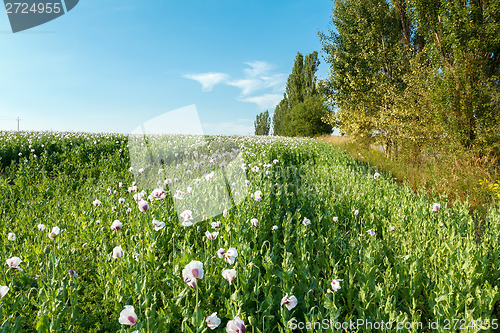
(257, 77)
(258, 68)
(208, 80)
(247, 86)
(266, 101)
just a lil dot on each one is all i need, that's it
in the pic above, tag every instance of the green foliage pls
(366, 63)
(378, 53)
(262, 123)
(279, 124)
(431, 266)
(305, 118)
(303, 107)
(464, 49)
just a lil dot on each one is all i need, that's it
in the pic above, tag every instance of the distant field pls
(291, 217)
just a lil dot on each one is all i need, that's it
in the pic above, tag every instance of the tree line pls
(403, 73)
(416, 73)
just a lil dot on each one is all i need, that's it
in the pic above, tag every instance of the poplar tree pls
(262, 123)
(367, 61)
(303, 107)
(418, 72)
(463, 46)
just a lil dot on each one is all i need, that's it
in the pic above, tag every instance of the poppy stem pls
(173, 245)
(196, 305)
(54, 260)
(5, 277)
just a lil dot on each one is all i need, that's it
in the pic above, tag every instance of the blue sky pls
(110, 65)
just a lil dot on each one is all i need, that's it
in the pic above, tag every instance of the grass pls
(458, 174)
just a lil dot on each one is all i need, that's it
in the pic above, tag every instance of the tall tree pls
(279, 117)
(366, 60)
(463, 44)
(415, 71)
(295, 83)
(262, 123)
(303, 108)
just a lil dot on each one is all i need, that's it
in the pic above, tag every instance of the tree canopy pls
(303, 107)
(416, 71)
(262, 123)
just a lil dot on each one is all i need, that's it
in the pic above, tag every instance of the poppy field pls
(116, 233)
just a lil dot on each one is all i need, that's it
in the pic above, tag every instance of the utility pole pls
(18, 120)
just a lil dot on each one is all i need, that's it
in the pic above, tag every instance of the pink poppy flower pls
(128, 316)
(117, 252)
(229, 275)
(220, 253)
(143, 205)
(289, 302)
(336, 284)
(3, 291)
(55, 231)
(14, 263)
(211, 235)
(187, 215)
(213, 321)
(158, 193)
(230, 255)
(192, 271)
(178, 195)
(116, 225)
(158, 225)
(236, 326)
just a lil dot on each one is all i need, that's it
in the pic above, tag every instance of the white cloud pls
(247, 86)
(266, 101)
(258, 77)
(258, 68)
(208, 80)
(276, 81)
